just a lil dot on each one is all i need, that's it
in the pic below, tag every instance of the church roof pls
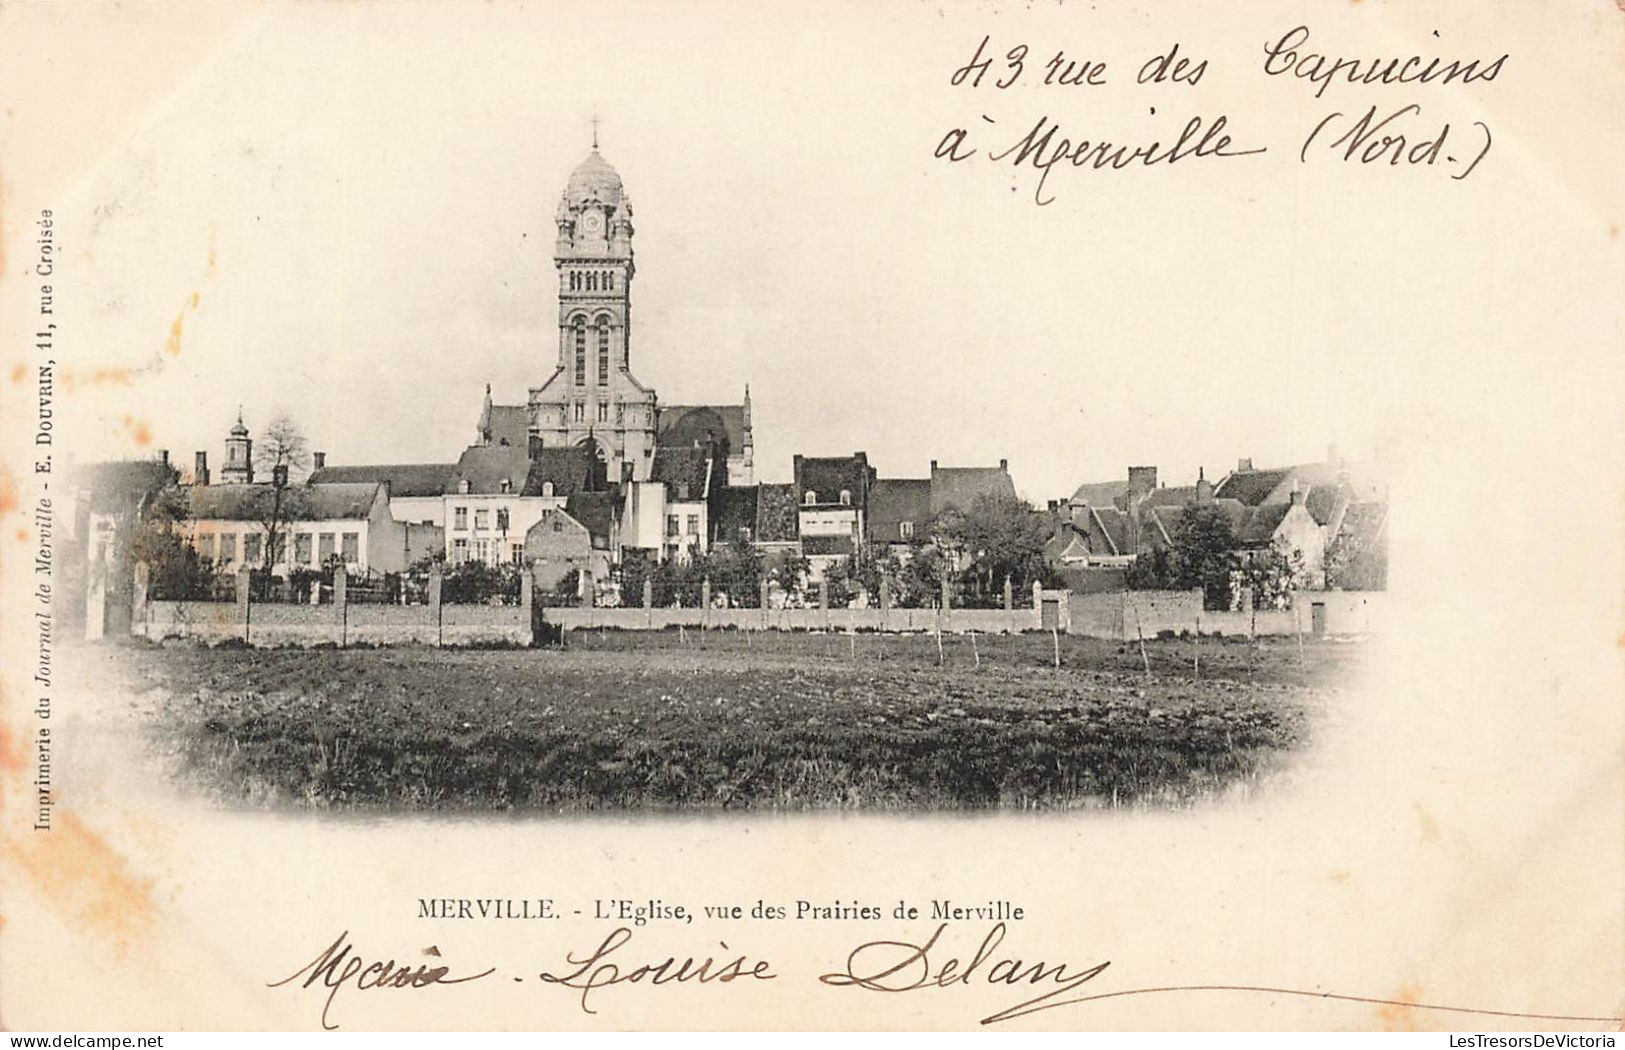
(686, 424)
(404, 479)
(594, 179)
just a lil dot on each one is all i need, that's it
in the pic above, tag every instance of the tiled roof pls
(1321, 502)
(896, 500)
(1115, 524)
(1101, 493)
(568, 470)
(1258, 528)
(486, 467)
(404, 479)
(1067, 542)
(1365, 482)
(1175, 496)
(960, 486)
(828, 476)
(777, 519)
(510, 425)
(1365, 520)
(685, 471)
(595, 510)
(686, 424)
(321, 502)
(1170, 520)
(1251, 487)
(736, 509)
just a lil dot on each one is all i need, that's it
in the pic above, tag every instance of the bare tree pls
(280, 451)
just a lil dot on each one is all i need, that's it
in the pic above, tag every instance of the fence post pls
(705, 603)
(138, 596)
(341, 608)
(761, 588)
(245, 578)
(527, 599)
(1009, 596)
(436, 580)
(648, 602)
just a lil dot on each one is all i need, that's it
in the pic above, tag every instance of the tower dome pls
(594, 179)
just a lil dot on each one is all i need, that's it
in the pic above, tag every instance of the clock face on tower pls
(593, 222)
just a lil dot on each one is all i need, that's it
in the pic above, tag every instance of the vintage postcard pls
(825, 516)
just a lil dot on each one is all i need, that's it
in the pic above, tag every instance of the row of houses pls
(1309, 509)
(509, 499)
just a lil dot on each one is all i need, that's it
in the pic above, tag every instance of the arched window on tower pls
(609, 281)
(581, 351)
(603, 350)
(575, 281)
(592, 282)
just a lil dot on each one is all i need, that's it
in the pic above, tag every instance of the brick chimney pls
(318, 460)
(163, 456)
(1297, 494)
(200, 468)
(1142, 481)
(1004, 465)
(1244, 465)
(1204, 487)
(279, 475)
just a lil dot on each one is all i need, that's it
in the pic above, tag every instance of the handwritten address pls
(1378, 134)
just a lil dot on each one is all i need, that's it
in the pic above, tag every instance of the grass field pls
(669, 719)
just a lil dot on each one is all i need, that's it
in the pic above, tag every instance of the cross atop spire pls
(595, 129)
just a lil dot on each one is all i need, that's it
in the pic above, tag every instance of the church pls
(591, 394)
(592, 452)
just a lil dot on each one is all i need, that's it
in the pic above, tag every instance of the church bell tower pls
(592, 393)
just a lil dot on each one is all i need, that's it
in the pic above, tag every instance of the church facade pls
(592, 393)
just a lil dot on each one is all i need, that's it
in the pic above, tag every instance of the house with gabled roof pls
(961, 486)
(315, 524)
(834, 501)
(899, 512)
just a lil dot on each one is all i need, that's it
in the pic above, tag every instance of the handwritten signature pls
(901, 966)
(882, 966)
(336, 967)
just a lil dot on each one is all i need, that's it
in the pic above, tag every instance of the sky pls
(345, 212)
